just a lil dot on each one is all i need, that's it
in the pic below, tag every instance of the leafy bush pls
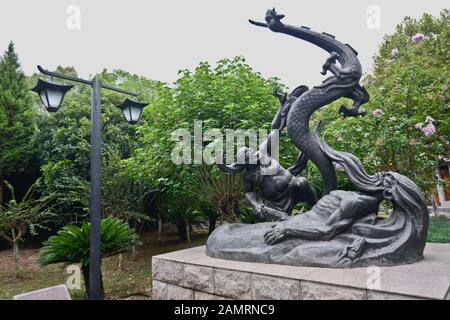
(19, 216)
(71, 244)
(229, 95)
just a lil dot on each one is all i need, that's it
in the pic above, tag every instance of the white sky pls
(156, 38)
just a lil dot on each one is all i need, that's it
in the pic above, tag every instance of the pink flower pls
(418, 37)
(418, 125)
(338, 167)
(377, 113)
(394, 52)
(429, 129)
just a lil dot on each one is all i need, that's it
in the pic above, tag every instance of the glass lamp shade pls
(51, 94)
(132, 110)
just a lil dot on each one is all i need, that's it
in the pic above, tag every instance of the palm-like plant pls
(71, 244)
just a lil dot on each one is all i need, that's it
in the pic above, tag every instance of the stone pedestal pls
(52, 293)
(190, 274)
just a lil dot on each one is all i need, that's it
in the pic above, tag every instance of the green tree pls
(17, 120)
(64, 141)
(228, 96)
(123, 196)
(407, 127)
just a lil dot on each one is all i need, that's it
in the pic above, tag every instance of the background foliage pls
(406, 129)
(410, 82)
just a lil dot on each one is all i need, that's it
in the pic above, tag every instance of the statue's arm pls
(278, 124)
(279, 120)
(250, 195)
(253, 200)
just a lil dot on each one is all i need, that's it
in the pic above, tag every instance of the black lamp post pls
(52, 95)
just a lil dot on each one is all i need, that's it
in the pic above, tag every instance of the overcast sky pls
(156, 38)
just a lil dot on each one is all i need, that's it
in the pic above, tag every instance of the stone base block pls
(190, 274)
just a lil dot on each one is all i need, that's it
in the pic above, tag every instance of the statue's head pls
(246, 158)
(402, 190)
(271, 14)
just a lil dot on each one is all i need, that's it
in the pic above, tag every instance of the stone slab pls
(159, 290)
(416, 284)
(199, 278)
(167, 271)
(52, 293)
(316, 291)
(179, 293)
(232, 284)
(275, 288)
(193, 270)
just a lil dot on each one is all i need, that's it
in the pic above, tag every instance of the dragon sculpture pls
(343, 228)
(343, 83)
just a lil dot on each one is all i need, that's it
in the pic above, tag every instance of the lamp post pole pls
(95, 281)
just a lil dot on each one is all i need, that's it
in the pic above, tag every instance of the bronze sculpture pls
(342, 229)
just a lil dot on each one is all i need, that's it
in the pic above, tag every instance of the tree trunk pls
(120, 259)
(212, 225)
(188, 236)
(15, 243)
(181, 230)
(16, 257)
(133, 253)
(1, 190)
(159, 229)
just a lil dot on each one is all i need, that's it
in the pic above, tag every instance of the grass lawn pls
(132, 282)
(439, 230)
